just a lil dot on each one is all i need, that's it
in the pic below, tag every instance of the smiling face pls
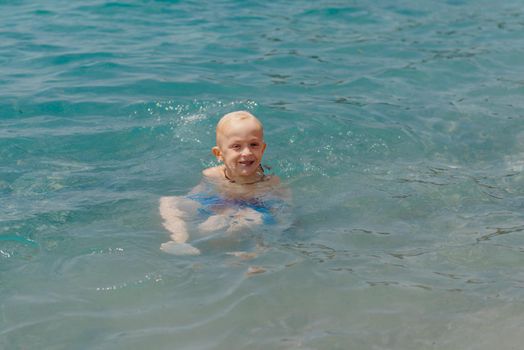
(240, 145)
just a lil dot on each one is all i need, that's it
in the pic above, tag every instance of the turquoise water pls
(398, 125)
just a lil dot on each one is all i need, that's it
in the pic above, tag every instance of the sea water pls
(397, 125)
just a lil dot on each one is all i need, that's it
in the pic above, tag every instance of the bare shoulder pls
(213, 173)
(278, 188)
(273, 180)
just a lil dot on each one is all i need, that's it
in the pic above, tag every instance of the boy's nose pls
(246, 151)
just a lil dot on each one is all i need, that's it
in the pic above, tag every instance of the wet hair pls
(235, 116)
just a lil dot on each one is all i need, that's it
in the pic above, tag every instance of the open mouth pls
(246, 162)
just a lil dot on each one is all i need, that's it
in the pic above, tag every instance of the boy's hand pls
(214, 223)
(245, 218)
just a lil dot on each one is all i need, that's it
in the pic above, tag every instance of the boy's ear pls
(217, 153)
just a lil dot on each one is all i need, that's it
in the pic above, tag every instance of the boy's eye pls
(235, 146)
(255, 144)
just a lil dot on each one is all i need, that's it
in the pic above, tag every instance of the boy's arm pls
(173, 218)
(174, 211)
(281, 208)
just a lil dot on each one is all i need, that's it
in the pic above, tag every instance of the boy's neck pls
(257, 177)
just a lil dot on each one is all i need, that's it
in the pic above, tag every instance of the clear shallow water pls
(398, 126)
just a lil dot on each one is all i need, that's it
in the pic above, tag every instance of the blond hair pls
(232, 117)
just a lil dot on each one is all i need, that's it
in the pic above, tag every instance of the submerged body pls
(232, 197)
(228, 209)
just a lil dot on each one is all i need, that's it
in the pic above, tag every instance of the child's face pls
(240, 146)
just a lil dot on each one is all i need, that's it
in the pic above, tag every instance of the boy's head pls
(240, 145)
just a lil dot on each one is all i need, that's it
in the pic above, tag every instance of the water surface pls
(397, 125)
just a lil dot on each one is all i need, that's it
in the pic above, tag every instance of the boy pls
(236, 195)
